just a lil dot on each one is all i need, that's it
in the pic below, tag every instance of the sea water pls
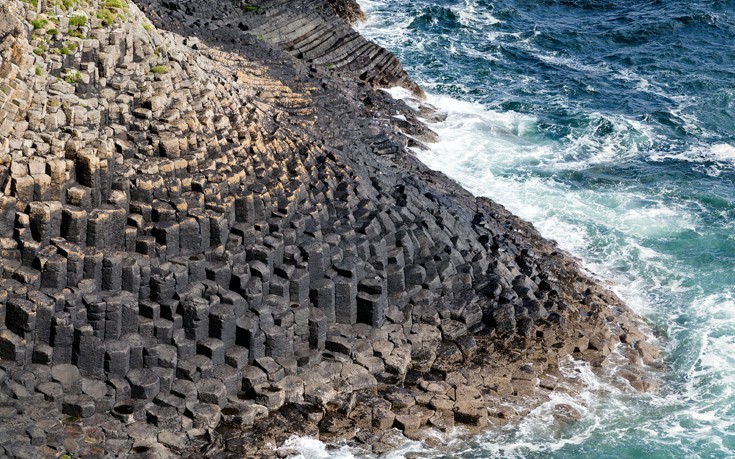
(610, 125)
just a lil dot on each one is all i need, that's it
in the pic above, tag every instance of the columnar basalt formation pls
(212, 219)
(308, 30)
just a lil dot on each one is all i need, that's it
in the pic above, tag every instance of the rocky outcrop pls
(308, 30)
(202, 226)
(349, 10)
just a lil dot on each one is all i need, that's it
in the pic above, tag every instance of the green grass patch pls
(33, 3)
(38, 23)
(52, 31)
(250, 9)
(77, 21)
(147, 27)
(38, 50)
(159, 69)
(106, 16)
(72, 76)
(39, 72)
(64, 5)
(111, 10)
(114, 4)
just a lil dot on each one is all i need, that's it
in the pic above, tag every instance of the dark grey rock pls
(81, 406)
(212, 391)
(144, 384)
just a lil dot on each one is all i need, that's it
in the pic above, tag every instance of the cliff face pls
(307, 30)
(210, 206)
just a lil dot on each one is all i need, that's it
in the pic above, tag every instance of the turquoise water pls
(611, 126)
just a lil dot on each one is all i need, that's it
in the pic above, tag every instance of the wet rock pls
(335, 427)
(408, 423)
(349, 10)
(566, 414)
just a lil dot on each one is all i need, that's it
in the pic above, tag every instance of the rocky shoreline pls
(213, 236)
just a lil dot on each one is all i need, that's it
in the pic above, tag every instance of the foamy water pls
(611, 127)
(486, 151)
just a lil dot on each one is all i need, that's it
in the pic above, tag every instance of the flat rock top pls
(66, 374)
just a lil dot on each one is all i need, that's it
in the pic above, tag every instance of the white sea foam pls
(710, 159)
(502, 154)
(624, 139)
(393, 29)
(469, 51)
(311, 448)
(479, 147)
(485, 149)
(469, 15)
(560, 60)
(723, 152)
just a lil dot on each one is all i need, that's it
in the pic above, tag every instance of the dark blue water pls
(611, 126)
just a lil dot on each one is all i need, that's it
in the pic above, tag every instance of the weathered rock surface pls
(349, 10)
(212, 236)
